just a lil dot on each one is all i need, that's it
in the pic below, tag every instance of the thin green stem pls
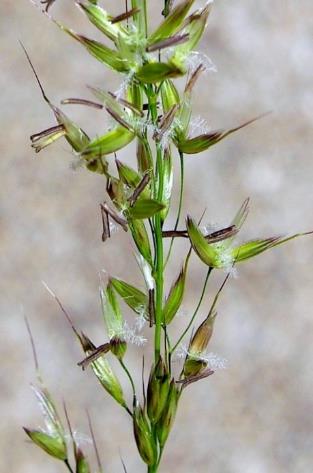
(146, 16)
(128, 411)
(129, 377)
(167, 348)
(195, 312)
(158, 239)
(160, 456)
(152, 232)
(159, 259)
(180, 204)
(152, 469)
(68, 466)
(165, 342)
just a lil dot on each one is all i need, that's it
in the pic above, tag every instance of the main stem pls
(152, 469)
(157, 229)
(159, 256)
(158, 269)
(180, 204)
(159, 259)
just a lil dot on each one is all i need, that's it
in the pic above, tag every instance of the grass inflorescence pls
(151, 110)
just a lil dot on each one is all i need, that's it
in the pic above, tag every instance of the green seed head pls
(143, 436)
(118, 347)
(203, 335)
(157, 392)
(111, 312)
(82, 465)
(169, 94)
(198, 345)
(104, 372)
(52, 440)
(165, 423)
(54, 446)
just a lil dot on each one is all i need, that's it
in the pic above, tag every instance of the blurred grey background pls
(253, 417)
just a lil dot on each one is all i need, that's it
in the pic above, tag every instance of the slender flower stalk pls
(148, 108)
